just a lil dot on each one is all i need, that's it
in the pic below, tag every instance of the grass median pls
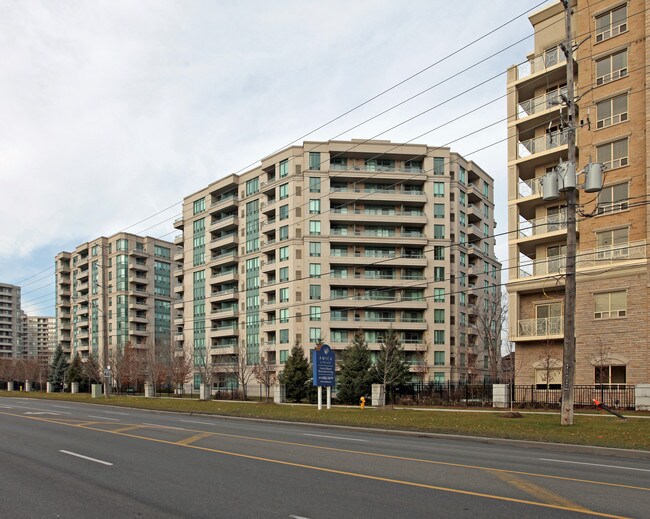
(588, 429)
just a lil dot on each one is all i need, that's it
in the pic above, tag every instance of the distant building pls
(40, 337)
(123, 280)
(328, 238)
(11, 322)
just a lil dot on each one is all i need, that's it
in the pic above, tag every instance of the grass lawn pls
(588, 428)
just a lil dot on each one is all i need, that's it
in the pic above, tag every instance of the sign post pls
(323, 362)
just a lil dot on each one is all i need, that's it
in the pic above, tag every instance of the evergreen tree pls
(391, 368)
(58, 366)
(296, 375)
(74, 373)
(355, 378)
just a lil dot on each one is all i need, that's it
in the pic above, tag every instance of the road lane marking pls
(194, 421)
(594, 464)
(539, 492)
(86, 457)
(104, 418)
(113, 412)
(335, 437)
(127, 428)
(360, 453)
(192, 439)
(160, 426)
(61, 406)
(43, 412)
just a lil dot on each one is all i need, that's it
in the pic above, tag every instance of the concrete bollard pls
(148, 390)
(378, 395)
(500, 395)
(642, 397)
(28, 386)
(74, 388)
(96, 390)
(279, 394)
(10, 386)
(49, 387)
(204, 392)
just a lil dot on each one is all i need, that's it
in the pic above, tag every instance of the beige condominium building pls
(126, 279)
(328, 238)
(40, 337)
(612, 226)
(11, 323)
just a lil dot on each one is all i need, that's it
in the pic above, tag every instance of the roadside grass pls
(588, 428)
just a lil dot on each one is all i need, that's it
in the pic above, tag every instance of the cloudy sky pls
(112, 111)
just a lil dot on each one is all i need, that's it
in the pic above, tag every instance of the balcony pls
(224, 258)
(614, 254)
(178, 239)
(541, 230)
(542, 267)
(222, 276)
(230, 238)
(223, 201)
(223, 295)
(178, 223)
(550, 65)
(545, 327)
(541, 144)
(224, 222)
(178, 254)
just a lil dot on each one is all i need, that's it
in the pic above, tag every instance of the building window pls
(252, 186)
(314, 292)
(462, 175)
(314, 228)
(610, 304)
(283, 168)
(438, 165)
(284, 315)
(439, 316)
(315, 335)
(284, 354)
(283, 191)
(438, 189)
(462, 238)
(438, 273)
(613, 198)
(613, 244)
(314, 160)
(439, 232)
(284, 253)
(438, 295)
(314, 313)
(613, 154)
(314, 249)
(461, 198)
(314, 184)
(199, 206)
(610, 375)
(438, 336)
(486, 189)
(284, 338)
(462, 218)
(314, 206)
(314, 270)
(611, 111)
(611, 68)
(439, 252)
(438, 358)
(283, 232)
(284, 212)
(438, 210)
(486, 230)
(611, 24)
(284, 295)
(284, 274)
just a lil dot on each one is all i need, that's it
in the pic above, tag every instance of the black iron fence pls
(618, 396)
(467, 395)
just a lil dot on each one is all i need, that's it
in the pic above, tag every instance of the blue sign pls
(323, 362)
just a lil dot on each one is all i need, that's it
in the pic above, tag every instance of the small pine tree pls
(58, 367)
(391, 368)
(355, 378)
(296, 375)
(74, 373)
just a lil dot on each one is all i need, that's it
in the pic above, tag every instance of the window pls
(315, 335)
(613, 154)
(439, 232)
(283, 168)
(438, 358)
(610, 375)
(439, 316)
(462, 238)
(611, 68)
(462, 175)
(283, 191)
(438, 336)
(438, 295)
(284, 253)
(610, 304)
(611, 111)
(611, 24)
(461, 198)
(486, 230)
(314, 249)
(284, 315)
(612, 244)
(438, 165)
(284, 354)
(613, 198)
(283, 232)
(284, 338)
(199, 206)
(314, 206)
(122, 244)
(438, 252)
(314, 184)
(284, 212)
(314, 160)
(438, 210)
(284, 295)
(338, 163)
(438, 273)
(486, 211)
(284, 274)
(252, 186)
(438, 189)
(462, 259)
(314, 228)
(314, 270)
(462, 218)
(314, 313)
(314, 292)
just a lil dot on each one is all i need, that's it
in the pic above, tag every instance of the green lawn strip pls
(603, 431)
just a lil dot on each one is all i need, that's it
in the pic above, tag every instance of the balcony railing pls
(542, 327)
(548, 59)
(540, 103)
(612, 254)
(530, 187)
(528, 228)
(542, 143)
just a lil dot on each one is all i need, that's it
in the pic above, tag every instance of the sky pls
(113, 111)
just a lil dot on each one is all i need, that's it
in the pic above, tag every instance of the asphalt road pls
(68, 460)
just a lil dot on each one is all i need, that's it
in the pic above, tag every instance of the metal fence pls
(618, 396)
(469, 395)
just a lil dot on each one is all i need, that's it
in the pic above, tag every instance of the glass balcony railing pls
(528, 228)
(542, 143)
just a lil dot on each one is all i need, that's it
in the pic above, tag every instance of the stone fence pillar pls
(378, 395)
(279, 394)
(642, 397)
(500, 395)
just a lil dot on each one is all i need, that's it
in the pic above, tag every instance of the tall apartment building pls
(126, 279)
(612, 228)
(328, 238)
(40, 337)
(11, 323)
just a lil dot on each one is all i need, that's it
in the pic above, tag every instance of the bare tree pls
(156, 363)
(419, 365)
(180, 366)
(264, 371)
(91, 369)
(239, 365)
(126, 366)
(491, 320)
(205, 367)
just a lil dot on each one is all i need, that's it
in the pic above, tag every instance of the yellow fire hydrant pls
(363, 402)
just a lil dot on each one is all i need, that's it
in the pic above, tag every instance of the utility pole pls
(569, 350)
(105, 350)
